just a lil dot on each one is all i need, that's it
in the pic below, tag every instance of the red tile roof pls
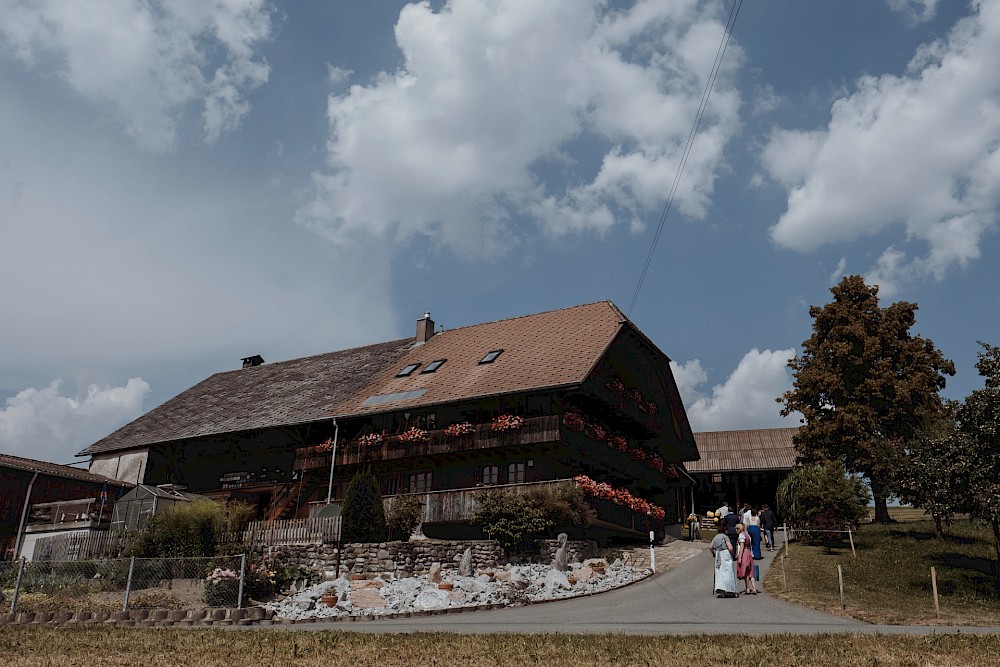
(546, 350)
(730, 451)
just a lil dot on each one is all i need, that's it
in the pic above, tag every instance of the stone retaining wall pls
(387, 559)
(141, 617)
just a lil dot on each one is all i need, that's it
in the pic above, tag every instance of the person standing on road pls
(732, 520)
(768, 522)
(725, 574)
(753, 530)
(744, 561)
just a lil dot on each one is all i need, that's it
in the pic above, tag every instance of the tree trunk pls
(881, 507)
(938, 530)
(996, 547)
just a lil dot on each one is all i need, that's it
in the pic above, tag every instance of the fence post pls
(784, 574)
(850, 536)
(840, 577)
(785, 527)
(243, 574)
(937, 607)
(128, 584)
(17, 586)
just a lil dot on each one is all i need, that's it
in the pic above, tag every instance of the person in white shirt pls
(722, 511)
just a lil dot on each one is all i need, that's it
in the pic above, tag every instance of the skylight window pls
(491, 356)
(434, 365)
(407, 370)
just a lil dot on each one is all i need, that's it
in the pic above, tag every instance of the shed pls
(134, 510)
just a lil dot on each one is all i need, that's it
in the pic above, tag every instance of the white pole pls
(652, 553)
(840, 577)
(333, 460)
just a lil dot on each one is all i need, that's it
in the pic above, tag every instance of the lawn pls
(38, 647)
(890, 582)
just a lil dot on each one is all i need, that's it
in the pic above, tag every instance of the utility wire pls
(719, 55)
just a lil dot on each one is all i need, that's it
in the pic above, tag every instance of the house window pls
(407, 370)
(491, 356)
(433, 366)
(491, 474)
(390, 485)
(420, 482)
(716, 478)
(515, 473)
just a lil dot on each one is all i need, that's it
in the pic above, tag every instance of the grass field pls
(890, 581)
(44, 647)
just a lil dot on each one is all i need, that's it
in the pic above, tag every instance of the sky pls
(185, 183)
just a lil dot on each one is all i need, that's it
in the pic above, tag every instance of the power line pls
(719, 55)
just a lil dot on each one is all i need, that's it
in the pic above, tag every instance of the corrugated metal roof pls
(758, 449)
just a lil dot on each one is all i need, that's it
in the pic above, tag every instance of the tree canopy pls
(864, 384)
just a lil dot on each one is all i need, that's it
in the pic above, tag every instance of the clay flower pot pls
(446, 586)
(329, 599)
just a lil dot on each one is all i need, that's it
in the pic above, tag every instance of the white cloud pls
(838, 272)
(466, 136)
(46, 425)
(746, 400)
(921, 150)
(916, 11)
(147, 59)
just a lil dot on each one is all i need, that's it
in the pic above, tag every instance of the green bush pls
(364, 514)
(200, 528)
(509, 519)
(822, 497)
(222, 587)
(564, 505)
(405, 513)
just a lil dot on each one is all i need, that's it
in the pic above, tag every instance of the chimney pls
(255, 360)
(425, 329)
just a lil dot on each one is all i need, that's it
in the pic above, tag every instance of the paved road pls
(676, 600)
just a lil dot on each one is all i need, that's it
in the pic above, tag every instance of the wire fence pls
(120, 584)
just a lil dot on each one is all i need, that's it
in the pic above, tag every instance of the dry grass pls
(890, 581)
(38, 647)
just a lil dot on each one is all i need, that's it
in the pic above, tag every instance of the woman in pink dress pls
(744, 561)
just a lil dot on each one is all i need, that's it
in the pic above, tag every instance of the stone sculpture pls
(465, 564)
(560, 563)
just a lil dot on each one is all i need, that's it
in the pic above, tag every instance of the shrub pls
(199, 528)
(563, 505)
(364, 514)
(822, 497)
(509, 519)
(222, 587)
(405, 513)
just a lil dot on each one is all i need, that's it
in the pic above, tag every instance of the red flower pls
(508, 423)
(574, 421)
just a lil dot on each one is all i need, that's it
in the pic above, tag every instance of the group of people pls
(737, 545)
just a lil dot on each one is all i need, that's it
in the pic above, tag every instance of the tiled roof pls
(52, 469)
(761, 449)
(283, 393)
(551, 349)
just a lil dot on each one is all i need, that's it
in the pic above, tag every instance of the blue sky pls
(184, 183)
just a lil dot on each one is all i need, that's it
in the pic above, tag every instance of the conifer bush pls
(363, 512)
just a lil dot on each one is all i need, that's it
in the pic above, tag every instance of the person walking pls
(732, 520)
(753, 530)
(768, 522)
(725, 574)
(744, 561)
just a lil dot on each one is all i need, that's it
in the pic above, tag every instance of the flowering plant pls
(619, 497)
(221, 587)
(508, 423)
(413, 434)
(370, 439)
(574, 421)
(618, 442)
(614, 384)
(651, 407)
(459, 429)
(325, 446)
(635, 395)
(596, 432)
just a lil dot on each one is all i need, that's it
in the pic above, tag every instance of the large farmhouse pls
(513, 403)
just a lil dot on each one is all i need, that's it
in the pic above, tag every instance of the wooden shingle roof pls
(547, 350)
(279, 394)
(53, 470)
(732, 451)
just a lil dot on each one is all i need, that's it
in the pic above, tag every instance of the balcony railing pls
(458, 505)
(535, 430)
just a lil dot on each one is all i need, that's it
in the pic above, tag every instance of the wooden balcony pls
(458, 505)
(535, 430)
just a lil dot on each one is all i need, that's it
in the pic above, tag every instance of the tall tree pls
(979, 419)
(864, 384)
(937, 467)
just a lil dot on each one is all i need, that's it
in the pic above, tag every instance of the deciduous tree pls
(863, 384)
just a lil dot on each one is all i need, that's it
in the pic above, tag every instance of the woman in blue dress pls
(753, 530)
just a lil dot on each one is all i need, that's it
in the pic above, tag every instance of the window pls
(390, 484)
(433, 366)
(491, 474)
(409, 368)
(491, 356)
(515, 473)
(420, 482)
